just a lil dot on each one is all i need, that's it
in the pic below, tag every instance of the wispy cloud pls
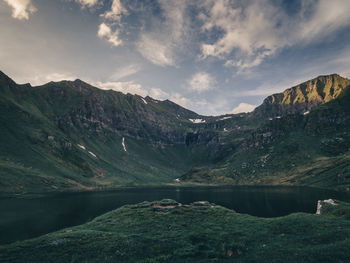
(87, 3)
(243, 107)
(136, 88)
(54, 76)
(125, 72)
(155, 51)
(124, 87)
(173, 96)
(21, 9)
(161, 46)
(105, 32)
(201, 81)
(326, 18)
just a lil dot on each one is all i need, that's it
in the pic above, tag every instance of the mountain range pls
(70, 135)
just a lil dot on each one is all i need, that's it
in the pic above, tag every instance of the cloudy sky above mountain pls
(211, 56)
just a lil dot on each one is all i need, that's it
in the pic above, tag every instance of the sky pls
(211, 56)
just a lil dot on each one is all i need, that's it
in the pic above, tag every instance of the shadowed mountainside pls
(70, 135)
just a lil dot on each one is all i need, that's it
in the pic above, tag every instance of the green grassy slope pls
(42, 128)
(201, 232)
(311, 149)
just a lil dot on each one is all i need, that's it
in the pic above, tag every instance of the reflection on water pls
(25, 218)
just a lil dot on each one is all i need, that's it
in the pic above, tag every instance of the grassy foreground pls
(166, 231)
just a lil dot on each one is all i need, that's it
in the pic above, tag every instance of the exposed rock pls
(319, 205)
(304, 97)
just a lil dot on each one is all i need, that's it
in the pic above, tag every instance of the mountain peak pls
(304, 97)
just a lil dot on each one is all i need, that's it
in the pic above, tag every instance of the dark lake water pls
(26, 218)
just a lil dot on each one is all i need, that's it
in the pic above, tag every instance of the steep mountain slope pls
(303, 149)
(70, 135)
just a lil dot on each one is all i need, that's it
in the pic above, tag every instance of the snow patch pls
(177, 180)
(144, 101)
(123, 144)
(197, 120)
(306, 112)
(278, 117)
(92, 154)
(81, 146)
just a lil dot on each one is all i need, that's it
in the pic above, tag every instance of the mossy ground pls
(166, 231)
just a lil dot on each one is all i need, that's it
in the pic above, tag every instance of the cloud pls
(116, 11)
(249, 34)
(165, 41)
(175, 97)
(201, 81)
(45, 78)
(112, 17)
(179, 99)
(326, 18)
(136, 88)
(105, 32)
(158, 93)
(243, 107)
(125, 72)
(124, 87)
(276, 86)
(155, 51)
(21, 9)
(87, 3)
(252, 32)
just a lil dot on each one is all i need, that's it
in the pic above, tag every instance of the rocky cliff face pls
(304, 97)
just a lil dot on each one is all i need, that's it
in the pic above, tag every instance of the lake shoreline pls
(54, 211)
(29, 195)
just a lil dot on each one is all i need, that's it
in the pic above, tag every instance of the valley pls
(71, 136)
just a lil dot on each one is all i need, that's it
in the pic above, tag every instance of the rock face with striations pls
(303, 97)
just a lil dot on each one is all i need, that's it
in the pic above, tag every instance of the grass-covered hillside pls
(70, 135)
(305, 148)
(167, 231)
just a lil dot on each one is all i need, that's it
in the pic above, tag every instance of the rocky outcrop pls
(304, 97)
(321, 203)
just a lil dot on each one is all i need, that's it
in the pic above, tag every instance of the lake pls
(26, 218)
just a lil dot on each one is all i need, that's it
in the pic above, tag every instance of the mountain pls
(303, 148)
(303, 97)
(70, 135)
